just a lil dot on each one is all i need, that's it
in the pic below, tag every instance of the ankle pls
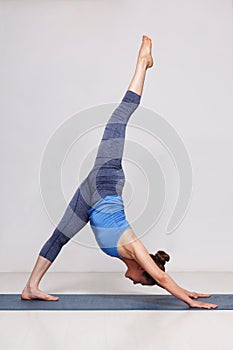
(31, 286)
(142, 63)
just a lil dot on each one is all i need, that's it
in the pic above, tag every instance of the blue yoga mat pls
(111, 302)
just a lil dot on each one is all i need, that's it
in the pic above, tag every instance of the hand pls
(200, 304)
(196, 295)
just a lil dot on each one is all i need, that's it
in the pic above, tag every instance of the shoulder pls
(129, 243)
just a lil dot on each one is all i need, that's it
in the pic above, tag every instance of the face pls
(135, 273)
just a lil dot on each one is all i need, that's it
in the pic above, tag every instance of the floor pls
(113, 330)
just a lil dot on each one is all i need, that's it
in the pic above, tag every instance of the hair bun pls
(161, 257)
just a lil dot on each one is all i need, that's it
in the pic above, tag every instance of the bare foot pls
(35, 293)
(145, 51)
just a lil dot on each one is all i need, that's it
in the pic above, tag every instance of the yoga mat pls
(111, 302)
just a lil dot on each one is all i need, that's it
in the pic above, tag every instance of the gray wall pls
(61, 57)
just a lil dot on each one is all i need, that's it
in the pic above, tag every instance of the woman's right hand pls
(195, 303)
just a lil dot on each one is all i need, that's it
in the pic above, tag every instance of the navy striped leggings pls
(106, 178)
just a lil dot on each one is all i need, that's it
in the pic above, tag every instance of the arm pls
(141, 255)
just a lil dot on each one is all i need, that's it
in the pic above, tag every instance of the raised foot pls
(30, 294)
(145, 51)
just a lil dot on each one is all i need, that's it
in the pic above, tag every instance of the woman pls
(98, 199)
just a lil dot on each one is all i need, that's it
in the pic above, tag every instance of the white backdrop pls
(61, 57)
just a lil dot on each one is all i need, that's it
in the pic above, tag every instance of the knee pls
(52, 247)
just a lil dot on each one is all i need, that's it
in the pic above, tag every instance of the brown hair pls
(160, 259)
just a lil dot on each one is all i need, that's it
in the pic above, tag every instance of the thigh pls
(107, 180)
(76, 214)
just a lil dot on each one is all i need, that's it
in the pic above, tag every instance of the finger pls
(211, 306)
(204, 295)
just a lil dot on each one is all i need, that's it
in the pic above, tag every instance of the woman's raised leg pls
(107, 176)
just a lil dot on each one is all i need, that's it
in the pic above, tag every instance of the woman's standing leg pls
(74, 219)
(84, 196)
